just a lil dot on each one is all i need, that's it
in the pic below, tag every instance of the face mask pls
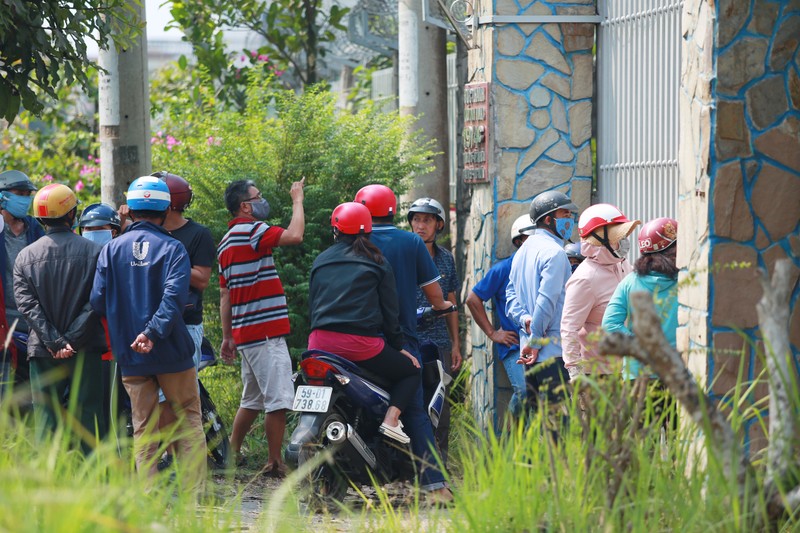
(624, 248)
(564, 227)
(18, 206)
(260, 209)
(100, 236)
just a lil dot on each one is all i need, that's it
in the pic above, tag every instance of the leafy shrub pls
(278, 138)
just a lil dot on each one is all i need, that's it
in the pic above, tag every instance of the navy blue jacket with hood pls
(141, 286)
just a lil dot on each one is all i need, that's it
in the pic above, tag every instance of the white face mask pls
(624, 247)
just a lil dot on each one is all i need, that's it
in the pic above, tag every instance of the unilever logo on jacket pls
(140, 250)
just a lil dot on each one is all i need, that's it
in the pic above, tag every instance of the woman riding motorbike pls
(354, 311)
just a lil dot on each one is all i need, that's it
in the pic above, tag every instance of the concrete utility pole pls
(124, 116)
(422, 84)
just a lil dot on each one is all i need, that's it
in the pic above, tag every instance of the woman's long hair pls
(361, 245)
(662, 262)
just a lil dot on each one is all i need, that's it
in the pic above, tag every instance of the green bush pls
(59, 146)
(279, 138)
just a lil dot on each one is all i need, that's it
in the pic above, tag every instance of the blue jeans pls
(419, 428)
(196, 331)
(516, 375)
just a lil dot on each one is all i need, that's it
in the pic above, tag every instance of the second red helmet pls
(352, 218)
(379, 199)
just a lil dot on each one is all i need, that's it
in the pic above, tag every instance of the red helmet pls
(351, 218)
(658, 235)
(597, 216)
(180, 192)
(379, 199)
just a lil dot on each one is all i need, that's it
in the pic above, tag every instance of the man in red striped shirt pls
(254, 314)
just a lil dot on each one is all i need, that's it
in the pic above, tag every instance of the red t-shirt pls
(247, 270)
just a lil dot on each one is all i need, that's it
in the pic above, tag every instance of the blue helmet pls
(148, 193)
(99, 215)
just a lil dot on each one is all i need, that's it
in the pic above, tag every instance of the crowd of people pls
(143, 270)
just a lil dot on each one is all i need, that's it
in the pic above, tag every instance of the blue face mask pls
(564, 227)
(17, 205)
(100, 236)
(260, 209)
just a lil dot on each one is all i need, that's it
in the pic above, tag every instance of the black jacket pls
(52, 281)
(352, 294)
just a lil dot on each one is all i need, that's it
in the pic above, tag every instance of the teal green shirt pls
(617, 317)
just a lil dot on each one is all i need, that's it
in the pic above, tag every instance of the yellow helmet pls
(54, 201)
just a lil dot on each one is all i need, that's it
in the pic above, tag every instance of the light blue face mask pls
(100, 236)
(17, 205)
(564, 227)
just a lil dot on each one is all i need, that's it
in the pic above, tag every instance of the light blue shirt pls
(539, 273)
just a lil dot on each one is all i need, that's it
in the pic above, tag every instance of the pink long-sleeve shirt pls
(587, 294)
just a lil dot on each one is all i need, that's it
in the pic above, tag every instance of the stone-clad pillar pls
(740, 181)
(540, 85)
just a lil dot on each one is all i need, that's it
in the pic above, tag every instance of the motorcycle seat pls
(350, 366)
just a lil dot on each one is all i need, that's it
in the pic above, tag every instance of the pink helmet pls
(658, 235)
(379, 199)
(351, 218)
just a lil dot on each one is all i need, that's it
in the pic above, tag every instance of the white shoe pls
(395, 433)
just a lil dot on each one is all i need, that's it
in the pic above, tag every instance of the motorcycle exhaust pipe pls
(339, 432)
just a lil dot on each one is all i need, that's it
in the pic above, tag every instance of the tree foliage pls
(43, 43)
(60, 145)
(294, 31)
(278, 138)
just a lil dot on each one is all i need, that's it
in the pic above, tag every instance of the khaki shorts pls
(267, 376)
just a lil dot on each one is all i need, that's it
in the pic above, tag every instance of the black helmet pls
(548, 202)
(97, 215)
(426, 205)
(14, 179)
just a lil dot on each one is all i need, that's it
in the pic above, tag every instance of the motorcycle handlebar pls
(425, 312)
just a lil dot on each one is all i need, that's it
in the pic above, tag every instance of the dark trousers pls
(57, 384)
(546, 381)
(546, 384)
(399, 371)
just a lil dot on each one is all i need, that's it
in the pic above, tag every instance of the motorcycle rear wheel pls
(325, 486)
(216, 435)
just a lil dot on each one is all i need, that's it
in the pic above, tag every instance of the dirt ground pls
(257, 490)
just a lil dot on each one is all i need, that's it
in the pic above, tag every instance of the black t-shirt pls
(197, 240)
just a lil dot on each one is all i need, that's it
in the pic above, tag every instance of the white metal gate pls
(638, 72)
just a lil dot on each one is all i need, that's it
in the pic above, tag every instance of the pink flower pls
(263, 57)
(279, 73)
(172, 141)
(154, 140)
(79, 186)
(253, 54)
(47, 177)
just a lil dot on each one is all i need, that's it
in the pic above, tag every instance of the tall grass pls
(602, 473)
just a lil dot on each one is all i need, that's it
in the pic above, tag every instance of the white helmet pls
(522, 226)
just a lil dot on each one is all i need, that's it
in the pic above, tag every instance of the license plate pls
(312, 399)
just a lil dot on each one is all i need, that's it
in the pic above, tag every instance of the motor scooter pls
(341, 407)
